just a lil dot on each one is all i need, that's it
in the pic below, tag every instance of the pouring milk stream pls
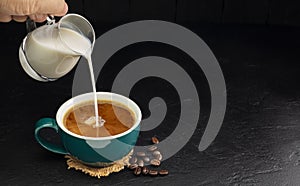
(52, 50)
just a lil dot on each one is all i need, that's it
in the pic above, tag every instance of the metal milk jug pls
(52, 50)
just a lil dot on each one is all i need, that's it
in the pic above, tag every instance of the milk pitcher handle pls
(30, 25)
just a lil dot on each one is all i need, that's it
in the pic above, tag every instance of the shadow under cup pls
(94, 151)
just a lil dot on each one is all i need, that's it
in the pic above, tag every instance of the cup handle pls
(48, 123)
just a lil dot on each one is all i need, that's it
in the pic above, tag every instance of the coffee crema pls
(118, 119)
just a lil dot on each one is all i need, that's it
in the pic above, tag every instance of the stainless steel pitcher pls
(51, 51)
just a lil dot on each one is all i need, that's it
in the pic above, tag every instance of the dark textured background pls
(267, 12)
(257, 45)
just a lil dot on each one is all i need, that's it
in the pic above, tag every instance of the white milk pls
(51, 57)
(99, 122)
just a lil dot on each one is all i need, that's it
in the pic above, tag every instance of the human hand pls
(37, 10)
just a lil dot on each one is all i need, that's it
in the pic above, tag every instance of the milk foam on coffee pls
(54, 52)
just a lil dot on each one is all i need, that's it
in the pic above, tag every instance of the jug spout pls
(80, 25)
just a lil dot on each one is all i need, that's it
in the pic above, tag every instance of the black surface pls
(266, 12)
(195, 11)
(259, 143)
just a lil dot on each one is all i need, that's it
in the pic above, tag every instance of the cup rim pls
(69, 103)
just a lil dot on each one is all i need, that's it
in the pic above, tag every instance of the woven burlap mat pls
(116, 166)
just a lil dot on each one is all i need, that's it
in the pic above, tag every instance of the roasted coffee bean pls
(155, 162)
(141, 154)
(153, 172)
(156, 153)
(146, 159)
(133, 166)
(154, 140)
(145, 170)
(159, 157)
(152, 148)
(141, 163)
(133, 160)
(163, 172)
(137, 171)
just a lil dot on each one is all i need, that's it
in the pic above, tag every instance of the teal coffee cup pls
(93, 151)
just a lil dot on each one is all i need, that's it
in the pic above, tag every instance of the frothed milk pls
(53, 58)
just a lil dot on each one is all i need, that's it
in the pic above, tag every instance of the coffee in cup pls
(116, 118)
